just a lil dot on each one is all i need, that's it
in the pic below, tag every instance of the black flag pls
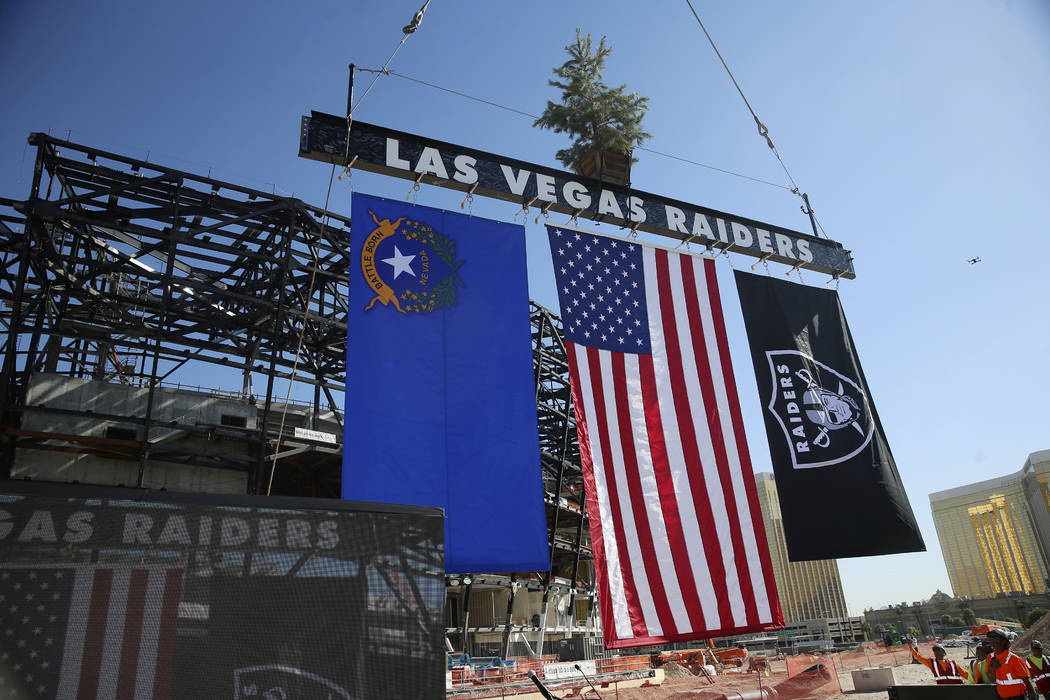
(840, 493)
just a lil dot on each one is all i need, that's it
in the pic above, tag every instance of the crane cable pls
(406, 31)
(763, 130)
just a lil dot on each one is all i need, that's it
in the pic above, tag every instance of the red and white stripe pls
(676, 528)
(120, 637)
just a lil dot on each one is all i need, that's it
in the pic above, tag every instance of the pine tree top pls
(598, 117)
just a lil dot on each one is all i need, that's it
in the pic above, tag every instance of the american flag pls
(87, 632)
(679, 547)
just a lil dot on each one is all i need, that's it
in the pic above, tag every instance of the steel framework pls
(118, 269)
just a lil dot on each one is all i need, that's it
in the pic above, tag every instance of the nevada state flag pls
(440, 398)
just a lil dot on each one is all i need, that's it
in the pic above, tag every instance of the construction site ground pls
(677, 687)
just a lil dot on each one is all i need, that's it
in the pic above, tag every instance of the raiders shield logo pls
(279, 682)
(824, 415)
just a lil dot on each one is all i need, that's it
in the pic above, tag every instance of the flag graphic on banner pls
(441, 404)
(824, 434)
(88, 633)
(676, 529)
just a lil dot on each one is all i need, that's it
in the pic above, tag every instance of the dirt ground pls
(695, 688)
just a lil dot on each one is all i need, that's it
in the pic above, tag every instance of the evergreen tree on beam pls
(598, 117)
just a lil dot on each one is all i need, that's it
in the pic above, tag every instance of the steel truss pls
(118, 269)
(120, 262)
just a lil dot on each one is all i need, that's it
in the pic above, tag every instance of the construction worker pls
(1011, 671)
(1039, 667)
(979, 672)
(945, 671)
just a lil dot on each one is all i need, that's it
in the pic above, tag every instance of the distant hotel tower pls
(994, 534)
(807, 589)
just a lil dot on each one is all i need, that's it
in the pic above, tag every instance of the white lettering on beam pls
(393, 158)
(675, 218)
(742, 235)
(576, 195)
(764, 244)
(607, 204)
(722, 235)
(701, 227)
(545, 188)
(783, 245)
(465, 171)
(430, 163)
(516, 181)
(637, 212)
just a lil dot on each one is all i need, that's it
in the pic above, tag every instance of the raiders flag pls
(840, 494)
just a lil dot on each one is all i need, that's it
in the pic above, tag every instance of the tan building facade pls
(994, 534)
(807, 589)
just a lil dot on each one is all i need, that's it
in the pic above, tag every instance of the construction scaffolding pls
(127, 286)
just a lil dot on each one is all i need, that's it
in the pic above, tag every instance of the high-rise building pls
(807, 589)
(994, 534)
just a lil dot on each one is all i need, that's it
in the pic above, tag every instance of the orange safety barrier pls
(810, 674)
(734, 656)
(623, 663)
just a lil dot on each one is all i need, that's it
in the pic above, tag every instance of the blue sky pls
(918, 130)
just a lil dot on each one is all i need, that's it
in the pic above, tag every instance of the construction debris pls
(1040, 630)
(674, 670)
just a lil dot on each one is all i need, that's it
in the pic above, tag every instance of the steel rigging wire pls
(406, 31)
(763, 130)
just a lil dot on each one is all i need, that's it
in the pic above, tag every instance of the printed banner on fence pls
(121, 593)
(679, 546)
(440, 401)
(840, 493)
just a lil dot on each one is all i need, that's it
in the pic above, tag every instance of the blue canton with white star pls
(34, 604)
(601, 287)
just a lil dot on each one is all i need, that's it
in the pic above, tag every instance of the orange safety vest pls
(1040, 672)
(950, 675)
(1005, 683)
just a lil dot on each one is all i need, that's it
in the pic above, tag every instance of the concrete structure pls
(994, 534)
(801, 636)
(808, 589)
(925, 615)
(103, 421)
(492, 609)
(820, 633)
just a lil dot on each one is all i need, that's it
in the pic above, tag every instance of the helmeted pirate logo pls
(824, 414)
(410, 266)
